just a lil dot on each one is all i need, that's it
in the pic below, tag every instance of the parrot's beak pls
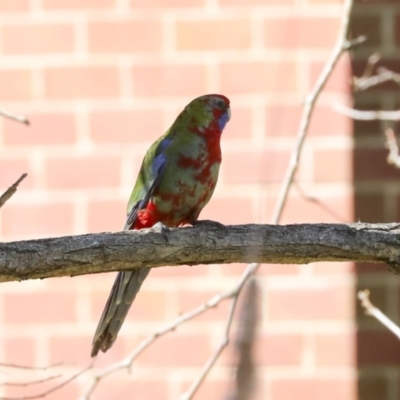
(228, 111)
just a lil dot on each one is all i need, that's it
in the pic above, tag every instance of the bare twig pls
(382, 75)
(245, 372)
(318, 203)
(11, 190)
(30, 383)
(52, 389)
(341, 46)
(45, 368)
(127, 362)
(14, 117)
(359, 83)
(367, 115)
(391, 144)
(371, 310)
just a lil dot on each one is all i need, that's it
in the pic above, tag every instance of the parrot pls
(176, 180)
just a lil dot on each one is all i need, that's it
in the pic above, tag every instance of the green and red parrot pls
(176, 180)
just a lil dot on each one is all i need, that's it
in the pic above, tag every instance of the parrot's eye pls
(220, 104)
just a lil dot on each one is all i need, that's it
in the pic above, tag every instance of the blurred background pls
(99, 81)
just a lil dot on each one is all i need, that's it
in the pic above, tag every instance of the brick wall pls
(100, 80)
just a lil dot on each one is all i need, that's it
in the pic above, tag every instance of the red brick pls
(19, 351)
(76, 4)
(278, 269)
(254, 166)
(142, 389)
(66, 392)
(339, 80)
(240, 126)
(328, 303)
(365, 169)
(282, 120)
(188, 300)
(301, 32)
(369, 207)
(332, 209)
(11, 170)
(166, 4)
(377, 348)
(83, 173)
(70, 350)
(39, 308)
(334, 268)
(337, 349)
(258, 77)
(81, 82)
(339, 125)
(148, 306)
(35, 39)
(105, 216)
(14, 5)
(177, 350)
(16, 84)
(126, 126)
(44, 129)
(209, 389)
(325, 1)
(213, 34)
(125, 36)
(255, 2)
(397, 30)
(327, 389)
(35, 220)
(333, 165)
(170, 80)
(229, 210)
(279, 349)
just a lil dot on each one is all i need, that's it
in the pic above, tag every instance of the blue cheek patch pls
(223, 119)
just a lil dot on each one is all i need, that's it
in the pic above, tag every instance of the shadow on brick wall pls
(377, 197)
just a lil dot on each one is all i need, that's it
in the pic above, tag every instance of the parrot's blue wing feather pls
(158, 167)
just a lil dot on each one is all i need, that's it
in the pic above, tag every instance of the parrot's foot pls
(210, 223)
(159, 227)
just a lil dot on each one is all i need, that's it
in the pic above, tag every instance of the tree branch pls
(104, 252)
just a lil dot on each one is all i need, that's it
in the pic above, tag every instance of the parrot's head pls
(210, 108)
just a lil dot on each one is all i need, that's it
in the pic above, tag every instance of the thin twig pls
(30, 383)
(372, 115)
(362, 82)
(341, 46)
(51, 390)
(371, 310)
(11, 190)
(127, 362)
(14, 117)
(391, 144)
(318, 203)
(45, 368)
(382, 75)
(247, 325)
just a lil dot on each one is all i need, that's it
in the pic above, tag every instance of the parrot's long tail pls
(123, 292)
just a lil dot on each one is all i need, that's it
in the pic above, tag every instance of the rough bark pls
(277, 244)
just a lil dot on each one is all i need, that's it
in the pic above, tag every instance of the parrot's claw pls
(159, 227)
